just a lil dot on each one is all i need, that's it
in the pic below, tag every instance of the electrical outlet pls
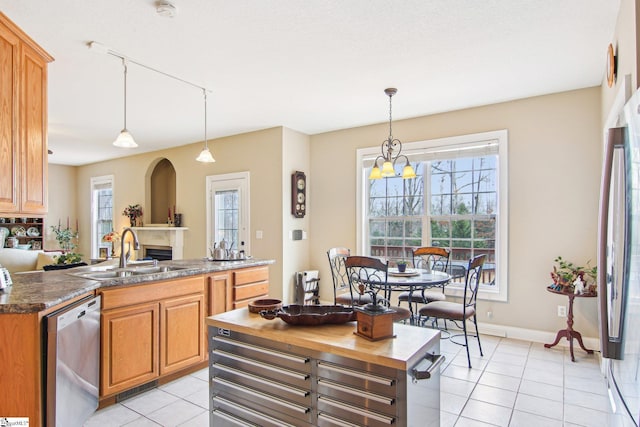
(562, 311)
(489, 314)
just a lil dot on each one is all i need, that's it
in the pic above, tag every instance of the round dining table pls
(412, 280)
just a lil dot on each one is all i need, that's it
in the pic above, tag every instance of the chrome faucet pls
(136, 245)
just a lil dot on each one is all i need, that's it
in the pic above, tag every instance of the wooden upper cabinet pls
(23, 122)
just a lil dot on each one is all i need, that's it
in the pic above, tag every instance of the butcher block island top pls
(397, 353)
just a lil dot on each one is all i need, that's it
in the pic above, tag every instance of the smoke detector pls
(166, 8)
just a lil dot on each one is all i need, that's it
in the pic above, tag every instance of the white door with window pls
(101, 213)
(228, 211)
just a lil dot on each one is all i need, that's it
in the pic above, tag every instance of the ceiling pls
(312, 66)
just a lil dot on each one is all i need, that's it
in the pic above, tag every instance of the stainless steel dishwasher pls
(72, 354)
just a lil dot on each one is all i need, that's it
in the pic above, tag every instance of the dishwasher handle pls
(435, 359)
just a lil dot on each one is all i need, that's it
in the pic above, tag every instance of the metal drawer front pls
(261, 384)
(228, 388)
(376, 384)
(357, 396)
(222, 419)
(264, 354)
(247, 415)
(352, 413)
(266, 370)
(325, 420)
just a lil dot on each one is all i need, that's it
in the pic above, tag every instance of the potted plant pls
(402, 265)
(569, 277)
(65, 238)
(133, 212)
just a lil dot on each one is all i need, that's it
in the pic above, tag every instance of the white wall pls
(295, 253)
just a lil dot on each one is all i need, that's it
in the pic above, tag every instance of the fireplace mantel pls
(172, 237)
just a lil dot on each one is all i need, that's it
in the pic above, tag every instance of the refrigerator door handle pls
(610, 260)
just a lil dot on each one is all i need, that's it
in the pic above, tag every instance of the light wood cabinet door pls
(130, 345)
(220, 298)
(33, 132)
(9, 54)
(23, 122)
(182, 334)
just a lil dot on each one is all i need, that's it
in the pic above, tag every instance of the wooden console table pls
(570, 333)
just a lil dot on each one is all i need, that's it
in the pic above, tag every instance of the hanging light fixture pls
(388, 158)
(125, 140)
(205, 155)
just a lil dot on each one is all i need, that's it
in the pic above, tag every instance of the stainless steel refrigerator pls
(619, 266)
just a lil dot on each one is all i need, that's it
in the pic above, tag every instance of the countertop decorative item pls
(266, 304)
(112, 237)
(133, 212)
(311, 315)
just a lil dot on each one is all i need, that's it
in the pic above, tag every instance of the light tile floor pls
(516, 384)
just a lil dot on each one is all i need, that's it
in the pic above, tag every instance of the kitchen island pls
(270, 373)
(172, 300)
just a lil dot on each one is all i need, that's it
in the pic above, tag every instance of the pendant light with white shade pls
(205, 155)
(125, 139)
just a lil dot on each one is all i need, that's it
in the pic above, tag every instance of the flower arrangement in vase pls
(133, 212)
(112, 237)
(571, 278)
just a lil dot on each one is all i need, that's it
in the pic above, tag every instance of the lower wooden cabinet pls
(149, 331)
(130, 345)
(219, 292)
(181, 319)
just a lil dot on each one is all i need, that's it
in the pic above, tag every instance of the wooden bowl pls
(264, 304)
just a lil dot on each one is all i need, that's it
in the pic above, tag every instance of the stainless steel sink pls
(117, 273)
(153, 270)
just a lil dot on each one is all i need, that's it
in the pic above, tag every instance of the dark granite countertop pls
(37, 291)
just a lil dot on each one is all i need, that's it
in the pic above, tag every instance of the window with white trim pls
(458, 200)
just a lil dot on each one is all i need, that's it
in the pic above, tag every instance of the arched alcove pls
(161, 191)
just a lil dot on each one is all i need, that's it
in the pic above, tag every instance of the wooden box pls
(374, 325)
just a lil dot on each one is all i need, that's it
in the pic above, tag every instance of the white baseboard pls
(533, 335)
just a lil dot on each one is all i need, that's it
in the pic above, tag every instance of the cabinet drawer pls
(250, 291)
(131, 295)
(250, 275)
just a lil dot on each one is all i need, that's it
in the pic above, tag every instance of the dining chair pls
(368, 276)
(461, 311)
(337, 257)
(427, 258)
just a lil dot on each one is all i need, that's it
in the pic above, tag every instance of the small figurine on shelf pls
(578, 286)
